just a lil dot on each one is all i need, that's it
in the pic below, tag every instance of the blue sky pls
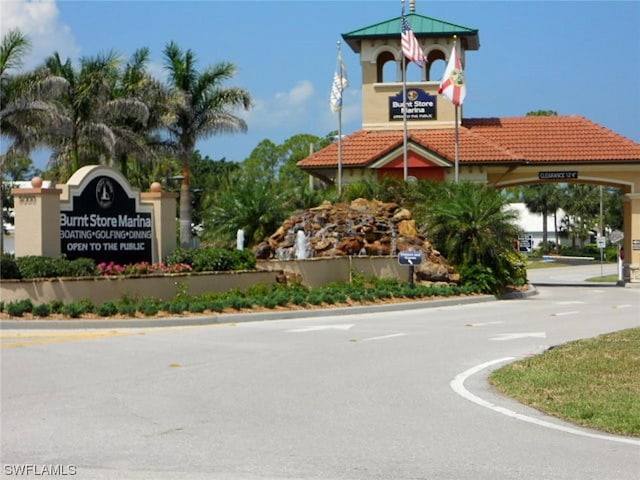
(579, 57)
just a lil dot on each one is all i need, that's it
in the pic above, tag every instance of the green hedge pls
(200, 259)
(258, 296)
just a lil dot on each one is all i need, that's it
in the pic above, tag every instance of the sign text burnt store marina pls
(104, 225)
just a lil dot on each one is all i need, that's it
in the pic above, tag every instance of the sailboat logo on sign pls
(104, 193)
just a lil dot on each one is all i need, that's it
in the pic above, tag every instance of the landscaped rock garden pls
(360, 228)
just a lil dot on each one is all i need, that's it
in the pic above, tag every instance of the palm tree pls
(582, 211)
(98, 118)
(137, 140)
(543, 199)
(244, 201)
(26, 99)
(201, 108)
(15, 45)
(472, 227)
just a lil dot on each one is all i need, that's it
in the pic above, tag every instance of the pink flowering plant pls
(141, 268)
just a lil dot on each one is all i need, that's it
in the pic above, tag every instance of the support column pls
(37, 220)
(164, 220)
(631, 242)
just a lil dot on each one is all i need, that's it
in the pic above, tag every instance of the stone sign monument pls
(96, 215)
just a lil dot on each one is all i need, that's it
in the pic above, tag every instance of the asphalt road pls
(378, 395)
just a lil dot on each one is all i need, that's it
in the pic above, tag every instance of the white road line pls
(318, 328)
(482, 324)
(562, 314)
(384, 337)
(457, 384)
(515, 336)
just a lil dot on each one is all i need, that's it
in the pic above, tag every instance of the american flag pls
(410, 46)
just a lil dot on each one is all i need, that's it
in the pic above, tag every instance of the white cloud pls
(39, 21)
(284, 109)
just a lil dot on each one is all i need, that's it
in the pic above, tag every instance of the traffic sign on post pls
(409, 257)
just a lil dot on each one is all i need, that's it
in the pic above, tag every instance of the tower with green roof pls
(381, 60)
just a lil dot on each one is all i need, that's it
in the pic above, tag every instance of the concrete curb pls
(235, 317)
(516, 295)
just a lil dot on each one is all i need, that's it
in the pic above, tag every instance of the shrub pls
(56, 306)
(74, 309)
(42, 310)
(382, 292)
(213, 259)
(80, 267)
(479, 278)
(239, 302)
(127, 309)
(299, 298)
(9, 267)
(149, 307)
(107, 309)
(216, 306)
(19, 307)
(268, 302)
(281, 297)
(177, 307)
(259, 289)
(243, 260)
(357, 295)
(33, 266)
(196, 306)
(315, 297)
(368, 296)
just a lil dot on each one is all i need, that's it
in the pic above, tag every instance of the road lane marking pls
(562, 314)
(318, 328)
(384, 337)
(482, 324)
(515, 336)
(457, 384)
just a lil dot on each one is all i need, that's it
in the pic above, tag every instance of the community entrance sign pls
(95, 215)
(103, 220)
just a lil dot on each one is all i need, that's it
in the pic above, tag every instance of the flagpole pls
(405, 162)
(457, 160)
(457, 139)
(340, 128)
(453, 87)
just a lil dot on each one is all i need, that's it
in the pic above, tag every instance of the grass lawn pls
(594, 383)
(606, 278)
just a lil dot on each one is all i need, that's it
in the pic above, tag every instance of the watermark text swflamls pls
(46, 470)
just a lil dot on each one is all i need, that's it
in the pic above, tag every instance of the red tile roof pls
(531, 139)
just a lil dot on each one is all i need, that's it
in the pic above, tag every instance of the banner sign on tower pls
(420, 105)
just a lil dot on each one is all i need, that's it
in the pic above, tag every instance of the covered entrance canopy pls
(502, 152)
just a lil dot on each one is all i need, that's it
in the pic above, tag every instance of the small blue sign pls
(409, 257)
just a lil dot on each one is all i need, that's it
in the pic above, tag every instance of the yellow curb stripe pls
(28, 339)
(25, 339)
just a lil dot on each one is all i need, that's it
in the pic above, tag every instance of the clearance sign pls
(104, 224)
